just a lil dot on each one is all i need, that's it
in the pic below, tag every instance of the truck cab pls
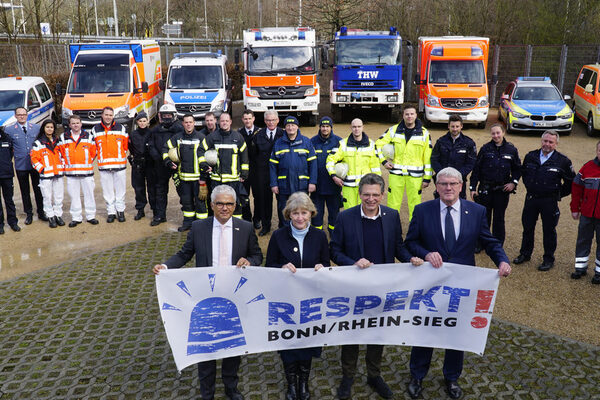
(452, 78)
(198, 83)
(367, 72)
(30, 92)
(121, 75)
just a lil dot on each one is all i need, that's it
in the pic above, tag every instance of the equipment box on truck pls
(281, 71)
(197, 83)
(367, 72)
(122, 75)
(451, 78)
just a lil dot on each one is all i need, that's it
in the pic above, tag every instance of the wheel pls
(312, 119)
(336, 113)
(426, 122)
(395, 114)
(589, 128)
(481, 125)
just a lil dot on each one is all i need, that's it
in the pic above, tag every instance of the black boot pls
(303, 376)
(291, 375)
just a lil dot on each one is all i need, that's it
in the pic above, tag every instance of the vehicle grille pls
(543, 118)
(366, 85)
(192, 108)
(459, 103)
(282, 92)
(85, 114)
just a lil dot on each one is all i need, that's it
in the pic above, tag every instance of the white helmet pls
(388, 151)
(341, 170)
(174, 154)
(167, 109)
(211, 157)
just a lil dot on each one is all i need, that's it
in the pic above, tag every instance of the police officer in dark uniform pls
(327, 193)
(167, 127)
(547, 175)
(143, 173)
(7, 172)
(495, 176)
(248, 131)
(260, 152)
(455, 150)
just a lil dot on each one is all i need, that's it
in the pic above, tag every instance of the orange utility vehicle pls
(123, 75)
(451, 78)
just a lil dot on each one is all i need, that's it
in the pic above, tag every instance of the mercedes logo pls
(459, 103)
(193, 108)
(92, 114)
(281, 90)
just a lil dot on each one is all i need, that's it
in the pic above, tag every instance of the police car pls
(534, 103)
(30, 92)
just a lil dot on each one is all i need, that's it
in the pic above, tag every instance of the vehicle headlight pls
(518, 115)
(341, 98)
(66, 113)
(252, 92)
(218, 107)
(433, 101)
(483, 101)
(598, 108)
(392, 99)
(310, 91)
(566, 116)
(122, 112)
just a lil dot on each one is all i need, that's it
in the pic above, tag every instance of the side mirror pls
(144, 87)
(417, 79)
(161, 84)
(589, 88)
(325, 57)
(504, 97)
(236, 56)
(58, 90)
(567, 97)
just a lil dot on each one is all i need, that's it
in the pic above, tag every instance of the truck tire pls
(395, 114)
(589, 127)
(312, 119)
(336, 113)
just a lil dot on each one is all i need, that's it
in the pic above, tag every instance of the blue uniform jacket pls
(22, 143)
(347, 245)
(6, 156)
(324, 147)
(425, 234)
(283, 248)
(293, 165)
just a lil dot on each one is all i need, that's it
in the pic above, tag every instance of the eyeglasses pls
(221, 205)
(21, 115)
(448, 184)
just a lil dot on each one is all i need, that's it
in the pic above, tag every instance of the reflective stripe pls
(188, 142)
(282, 177)
(375, 170)
(201, 216)
(311, 158)
(300, 151)
(282, 151)
(189, 214)
(581, 259)
(245, 167)
(318, 227)
(319, 151)
(331, 227)
(226, 146)
(303, 177)
(273, 161)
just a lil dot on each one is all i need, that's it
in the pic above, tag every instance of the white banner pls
(217, 312)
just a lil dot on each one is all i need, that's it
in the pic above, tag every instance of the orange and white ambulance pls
(451, 78)
(123, 75)
(281, 71)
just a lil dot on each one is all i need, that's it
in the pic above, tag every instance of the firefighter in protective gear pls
(232, 166)
(361, 155)
(411, 166)
(188, 145)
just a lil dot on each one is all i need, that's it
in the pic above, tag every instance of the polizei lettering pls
(368, 74)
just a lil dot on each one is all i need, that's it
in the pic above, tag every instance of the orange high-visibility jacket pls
(46, 158)
(79, 155)
(111, 144)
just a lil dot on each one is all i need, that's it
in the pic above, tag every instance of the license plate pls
(283, 103)
(540, 124)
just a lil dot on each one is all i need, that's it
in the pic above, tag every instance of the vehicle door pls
(33, 106)
(504, 104)
(585, 99)
(47, 103)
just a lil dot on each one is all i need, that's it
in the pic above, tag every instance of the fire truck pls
(280, 72)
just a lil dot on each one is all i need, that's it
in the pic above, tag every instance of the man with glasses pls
(22, 134)
(446, 230)
(219, 241)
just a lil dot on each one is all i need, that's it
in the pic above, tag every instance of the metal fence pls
(560, 63)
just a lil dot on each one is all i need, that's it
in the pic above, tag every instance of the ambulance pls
(123, 75)
(452, 78)
(280, 71)
(197, 83)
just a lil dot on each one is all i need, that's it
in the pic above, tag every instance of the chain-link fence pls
(560, 63)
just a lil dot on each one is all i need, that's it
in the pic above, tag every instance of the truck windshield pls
(195, 77)
(368, 51)
(537, 93)
(442, 71)
(11, 99)
(282, 59)
(99, 80)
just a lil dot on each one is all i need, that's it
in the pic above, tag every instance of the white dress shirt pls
(216, 239)
(454, 213)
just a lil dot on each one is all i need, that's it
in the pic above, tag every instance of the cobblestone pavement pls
(90, 329)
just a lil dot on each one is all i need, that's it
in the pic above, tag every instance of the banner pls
(217, 312)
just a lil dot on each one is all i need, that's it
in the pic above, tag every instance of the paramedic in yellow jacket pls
(411, 166)
(360, 153)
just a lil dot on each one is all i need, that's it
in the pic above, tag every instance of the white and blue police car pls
(30, 92)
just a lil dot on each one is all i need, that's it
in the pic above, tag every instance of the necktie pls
(223, 248)
(450, 236)
(24, 129)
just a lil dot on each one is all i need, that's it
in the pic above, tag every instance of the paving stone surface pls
(90, 329)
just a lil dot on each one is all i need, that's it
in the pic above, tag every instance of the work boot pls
(140, 214)
(52, 222)
(291, 376)
(303, 375)
(59, 221)
(120, 216)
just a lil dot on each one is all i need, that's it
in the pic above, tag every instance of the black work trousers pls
(263, 199)
(24, 177)
(192, 207)
(143, 180)
(163, 175)
(207, 375)
(547, 207)
(7, 188)
(495, 203)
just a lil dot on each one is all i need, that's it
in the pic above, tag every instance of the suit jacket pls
(199, 242)
(425, 234)
(283, 248)
(22, 143)
(347, 245)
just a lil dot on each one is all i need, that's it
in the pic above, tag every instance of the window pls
(43, 91)
(594, 81)
(584, 77)
(32, 98)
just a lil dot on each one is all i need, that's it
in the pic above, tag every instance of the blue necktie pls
(450, 236)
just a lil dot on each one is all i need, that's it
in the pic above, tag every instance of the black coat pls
(283, 249)
(7, 169)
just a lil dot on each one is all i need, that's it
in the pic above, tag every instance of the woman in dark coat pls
(298, 245)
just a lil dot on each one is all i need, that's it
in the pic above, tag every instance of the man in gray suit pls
(219, 241)
(23, 134)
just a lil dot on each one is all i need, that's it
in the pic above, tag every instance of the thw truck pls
(367, 72)
(123, 75)
(280, 71)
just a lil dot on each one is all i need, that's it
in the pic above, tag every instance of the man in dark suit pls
(219, 241)
(260, 152)
(447, 230)
(364, 235)
(248, 131)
